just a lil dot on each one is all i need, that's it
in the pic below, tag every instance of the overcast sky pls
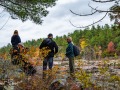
(57, 21)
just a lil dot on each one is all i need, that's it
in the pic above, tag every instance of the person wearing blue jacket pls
(15, 39)
(70, 55)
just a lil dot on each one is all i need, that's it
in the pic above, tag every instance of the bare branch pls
(95, 10)
(103, 1)
(90, 24)
(100, 11)
(5, 23)
(83, 14)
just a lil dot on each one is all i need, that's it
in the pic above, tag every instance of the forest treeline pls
(94, 36)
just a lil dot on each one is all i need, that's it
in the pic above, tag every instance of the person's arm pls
(12, 40)
(42, 44)
(56, 47)
(19, 39)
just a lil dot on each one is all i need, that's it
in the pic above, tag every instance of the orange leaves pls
(32, 62)
(35, 55)
(32, 51)
(44, 52)
(4, 56)
(111, 47)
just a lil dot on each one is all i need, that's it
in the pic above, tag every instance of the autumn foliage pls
(111, 47)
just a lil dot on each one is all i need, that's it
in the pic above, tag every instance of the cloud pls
(57, 22)
(61, 2)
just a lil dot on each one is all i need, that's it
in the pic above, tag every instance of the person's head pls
(50, 35)
(16, 32)
(69, 39)
(20, 45)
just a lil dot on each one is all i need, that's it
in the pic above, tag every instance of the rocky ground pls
(7, 69)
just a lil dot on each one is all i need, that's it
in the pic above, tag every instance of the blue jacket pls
(69, 50)
(15, 39)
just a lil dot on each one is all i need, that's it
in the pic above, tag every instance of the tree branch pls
(100, 11)
(99, 1)
(83, 14)
(5, 23)
(95, 11)
(7, 7)
(90, 24)
(19, 5)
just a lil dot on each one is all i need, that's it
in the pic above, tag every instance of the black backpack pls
(76, 50)
(48, 41)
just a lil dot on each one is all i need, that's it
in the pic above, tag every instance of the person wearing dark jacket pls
(15, 39)
(48, 42)
(70, 55)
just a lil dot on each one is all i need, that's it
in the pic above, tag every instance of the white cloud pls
(66, 1)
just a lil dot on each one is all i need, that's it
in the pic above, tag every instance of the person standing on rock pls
(48, 60)
(70, 55)
(15, 39)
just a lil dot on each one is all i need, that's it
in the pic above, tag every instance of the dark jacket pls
(69, 50)
(48, 42)
(15, 39)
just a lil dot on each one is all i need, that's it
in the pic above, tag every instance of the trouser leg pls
(50, 60)
(50, 64)
(71, 65)
(44, 67)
